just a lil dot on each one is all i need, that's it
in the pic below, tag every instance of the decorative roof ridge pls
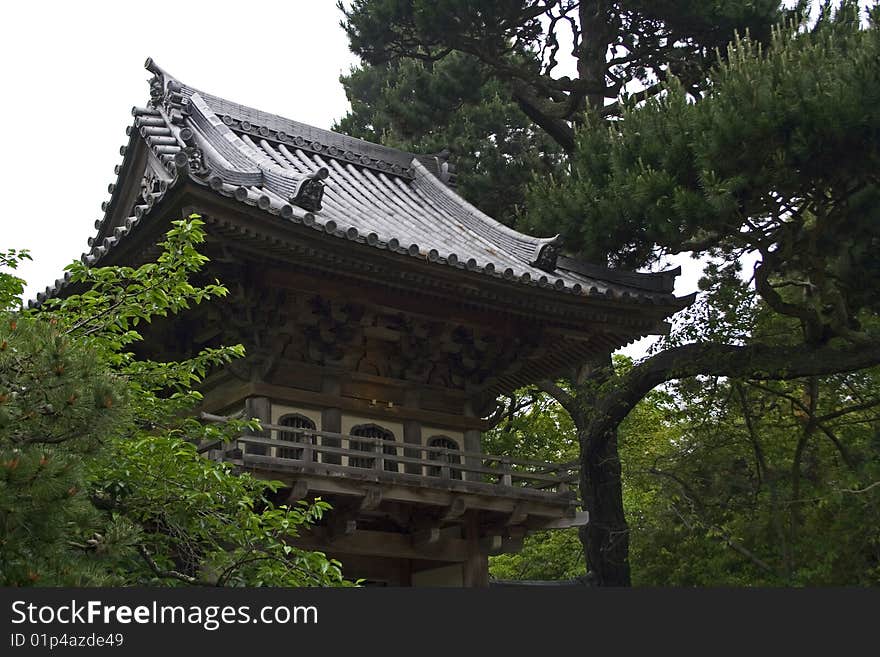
(222, 146)
(261, 124)
(213, 151)
(660, 281)
(273, 127)
(445, 170)
(525, 247)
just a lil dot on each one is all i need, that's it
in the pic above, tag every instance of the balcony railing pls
(363, 457)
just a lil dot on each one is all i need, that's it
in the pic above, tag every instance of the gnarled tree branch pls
(756, 361)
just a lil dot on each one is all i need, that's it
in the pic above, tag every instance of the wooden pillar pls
(412, 433)
(331, 420)
(261, 408)
(475, 569)
(473, 442)
(405, 569)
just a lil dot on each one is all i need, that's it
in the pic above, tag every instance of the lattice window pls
(372, 431)
(295, 421)
(447, 443)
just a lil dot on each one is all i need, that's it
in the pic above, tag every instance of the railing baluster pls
(424, 461)
(379, 463)
(506, 477)
(444, 464)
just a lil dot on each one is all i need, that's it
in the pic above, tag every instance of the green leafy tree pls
(535, 426)
(11, 286)
(100, 479)
(529, 46)
(755, 482)
(744, 170)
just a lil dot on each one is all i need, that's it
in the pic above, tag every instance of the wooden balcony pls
(523, 491)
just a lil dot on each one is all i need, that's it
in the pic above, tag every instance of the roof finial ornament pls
(191, 157)
(311, 190)
(157, 83)
(445, 168)
(165, 94)
(546, 253)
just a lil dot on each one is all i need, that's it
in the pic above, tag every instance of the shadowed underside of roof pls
(347, 188)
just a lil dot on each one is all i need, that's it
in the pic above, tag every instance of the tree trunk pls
(606, 536)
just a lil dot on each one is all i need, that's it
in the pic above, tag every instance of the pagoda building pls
(382, 316)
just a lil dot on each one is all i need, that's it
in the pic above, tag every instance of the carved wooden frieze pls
(283, 326)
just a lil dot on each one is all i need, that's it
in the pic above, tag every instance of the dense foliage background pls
(100, 479)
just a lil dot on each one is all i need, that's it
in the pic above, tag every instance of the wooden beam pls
(298, 491)
(371, 500)
(519, 514)
(455, 510)
(384, 544)
(513, 542)
(425, 537)
(410, 494)
(397, 413)
(399, 512)
(339, 525)
(491, 544)
(580, 519)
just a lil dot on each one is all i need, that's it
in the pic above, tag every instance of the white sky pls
(73, 70)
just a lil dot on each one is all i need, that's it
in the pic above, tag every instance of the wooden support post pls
(260, 408)
(379, 462)
(371, 499)
(444, 465)
(298, 492)
(562, 487)
(455, 510)
(331, 420)
(405, 572)
(412, 433)
(475, 569)
(425, 537)
(513, 542)
(506, 478)
(518, 515)
(340, 525)
(491, 544)
(472, 443)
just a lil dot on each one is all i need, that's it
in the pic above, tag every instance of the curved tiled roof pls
(347, 188)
